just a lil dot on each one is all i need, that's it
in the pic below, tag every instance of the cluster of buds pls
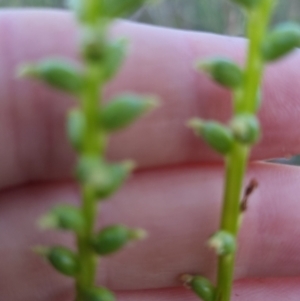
(240, 133)
(88, 126)
(243, 128)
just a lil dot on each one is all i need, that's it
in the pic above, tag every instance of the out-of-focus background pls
(218, 16)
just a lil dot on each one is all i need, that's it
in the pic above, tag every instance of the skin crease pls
(176, 192)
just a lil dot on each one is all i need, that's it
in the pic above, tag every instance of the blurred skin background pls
(217, 16)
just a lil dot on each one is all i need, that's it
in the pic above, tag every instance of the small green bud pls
(223, 242)
(201, 286)
(247, 3)
(219, 137)
(66, 217)
(112, 238)
(281, 41)
(93, 43)
(61, 258)
(102, 177)
(124, 110)
(58, 73)
(245, 128)
(223, 71)
(117, 8)
(98, 294)
(114, 56)
(76, 125)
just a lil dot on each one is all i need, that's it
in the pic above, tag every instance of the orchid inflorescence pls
(89, 125)
(235, 140)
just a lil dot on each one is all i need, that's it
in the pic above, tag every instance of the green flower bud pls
(66, 217)
(113, 238)
(245, 128)
(58, 73)
(117, 8)
(98, 294)
(114, 56)
(124, 110)
(201, 286)
(76, 125)
(223, 242)
(248, 3)
(223, 71)
(281, 41)
(93, 43)
(61, 258)
(219, 137)
(102, 177)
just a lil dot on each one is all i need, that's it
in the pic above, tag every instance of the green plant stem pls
(235, 170)
(258, 20)
(94, 144)
(236, 162)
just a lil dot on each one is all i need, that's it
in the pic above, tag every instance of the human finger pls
(180, 208)
(161, 61)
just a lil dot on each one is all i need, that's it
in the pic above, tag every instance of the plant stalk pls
(94, 144)
(236, 162)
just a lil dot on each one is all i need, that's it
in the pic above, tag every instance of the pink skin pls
(176, 193)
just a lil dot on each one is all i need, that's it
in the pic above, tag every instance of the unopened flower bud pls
(58, 73)
(102, 177)
(114, 56)
(201, 286)
(66, 217)
(223, 242)
(245, 128)
(93, 43)
(98, 294)
(112, 238)
(62, 259)
(219, 137)
(124, 110)
(223, 71)
(281, 41)
(76, 126)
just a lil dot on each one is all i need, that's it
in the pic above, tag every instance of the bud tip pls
(27, 70)
(48, 221)
(129, 165)
(138, 234)
(194, 123)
